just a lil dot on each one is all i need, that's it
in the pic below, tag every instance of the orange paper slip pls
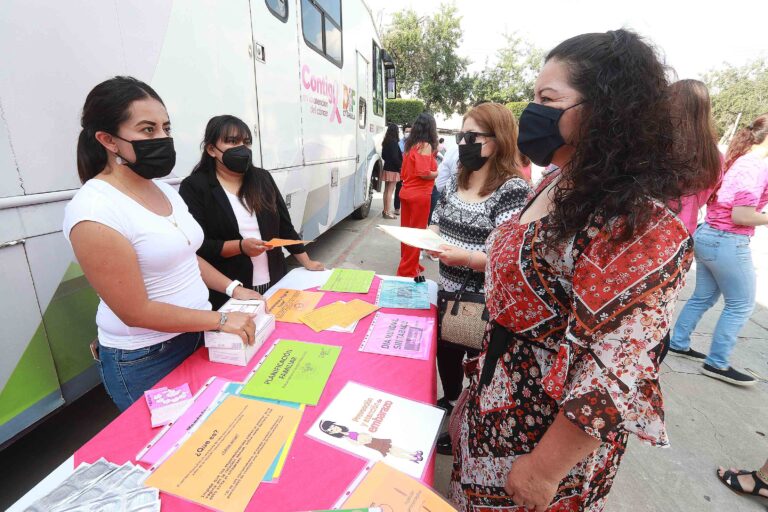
(338, 313)
(290, 305)
(282, 242)
(224, 460)
(391, 489)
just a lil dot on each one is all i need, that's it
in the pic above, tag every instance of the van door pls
(363, 132)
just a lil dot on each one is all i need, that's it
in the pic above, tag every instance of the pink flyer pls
(399, 335)
(167, 438)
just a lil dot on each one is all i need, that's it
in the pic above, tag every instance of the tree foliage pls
(402, 111)
(426, 60)
(735, 90)
(517, 107)
(512, 78)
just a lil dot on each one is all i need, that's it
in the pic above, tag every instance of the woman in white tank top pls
(137, 243)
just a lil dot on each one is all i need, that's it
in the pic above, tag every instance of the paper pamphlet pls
(222, 463)
(399, 335)
(389, 489)
(294, 371)
(403, 294)
(282, 242)
(421, 238)
(289, 305)
(164, 442)
(349, 280)
(377, 425)
(338, 313)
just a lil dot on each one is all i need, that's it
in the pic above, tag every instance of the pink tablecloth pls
(315, 474)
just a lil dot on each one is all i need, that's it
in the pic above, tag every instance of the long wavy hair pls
(754, 133)
(505, 162)
(392, 136)
(255, 195)
(624, 145)
(424, 129)
(695, 133)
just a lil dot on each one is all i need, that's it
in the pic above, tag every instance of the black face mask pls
(237, 159)
(155, 158)
(469, 156)
(539, 136)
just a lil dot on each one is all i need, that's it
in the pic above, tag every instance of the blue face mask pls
(540, 136)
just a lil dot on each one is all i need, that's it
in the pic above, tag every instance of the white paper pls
(421, 238)
(410, 426)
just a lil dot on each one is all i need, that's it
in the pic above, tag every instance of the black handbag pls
(462, 316)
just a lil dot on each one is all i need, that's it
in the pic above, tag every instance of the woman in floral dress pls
(580, 289)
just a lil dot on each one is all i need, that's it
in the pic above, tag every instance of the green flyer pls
(349, 280)
(294, 371)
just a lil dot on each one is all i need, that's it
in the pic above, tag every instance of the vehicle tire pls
(365, 208)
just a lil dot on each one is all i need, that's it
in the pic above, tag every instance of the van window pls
(279, 8)
(378, 84)
(321, 24)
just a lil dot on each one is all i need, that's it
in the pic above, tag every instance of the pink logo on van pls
(324, 87)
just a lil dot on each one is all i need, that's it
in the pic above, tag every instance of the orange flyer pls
(282, 242)
(289, 305)
(224, 460)
(390, 489)
(338, 313)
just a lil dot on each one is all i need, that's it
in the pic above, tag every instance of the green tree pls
(513, 76)
(735, 90)
(426, 60)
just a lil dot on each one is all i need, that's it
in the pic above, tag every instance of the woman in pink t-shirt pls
(723, 257)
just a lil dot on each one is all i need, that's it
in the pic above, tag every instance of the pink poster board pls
(399, 335)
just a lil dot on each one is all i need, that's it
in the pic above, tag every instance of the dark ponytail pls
(745, 138)
(106, 107)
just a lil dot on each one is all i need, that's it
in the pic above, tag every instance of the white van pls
(307, 75)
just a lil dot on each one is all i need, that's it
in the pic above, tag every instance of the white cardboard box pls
(242, 354)
(256, 308)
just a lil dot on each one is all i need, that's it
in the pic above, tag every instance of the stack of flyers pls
(165, 405)
(101, 486)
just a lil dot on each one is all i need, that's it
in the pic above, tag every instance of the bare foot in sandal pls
(754, 483)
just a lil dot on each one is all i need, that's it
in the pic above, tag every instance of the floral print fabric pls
(589, 317)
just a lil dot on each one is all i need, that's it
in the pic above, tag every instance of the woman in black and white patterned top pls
(488, 191)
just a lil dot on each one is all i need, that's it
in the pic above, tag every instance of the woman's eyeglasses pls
(470, 137)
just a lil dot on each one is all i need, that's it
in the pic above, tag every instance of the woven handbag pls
(462, 316)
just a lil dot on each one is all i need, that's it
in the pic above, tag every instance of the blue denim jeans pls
(723, 267)
(127, 374)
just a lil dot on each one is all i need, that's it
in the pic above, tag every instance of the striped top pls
(467, 225)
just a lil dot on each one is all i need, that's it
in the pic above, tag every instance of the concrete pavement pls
(710, 423)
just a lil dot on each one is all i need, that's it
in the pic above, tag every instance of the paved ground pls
(710, 422)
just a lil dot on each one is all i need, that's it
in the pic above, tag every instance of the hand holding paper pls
(420, 238)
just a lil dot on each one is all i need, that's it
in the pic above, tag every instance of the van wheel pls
(365, 208)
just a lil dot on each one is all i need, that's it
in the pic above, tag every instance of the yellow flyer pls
(290, 305)
(390, 489)
(224, 460)
(338, 313)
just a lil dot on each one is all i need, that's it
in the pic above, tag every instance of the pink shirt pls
(744, 184)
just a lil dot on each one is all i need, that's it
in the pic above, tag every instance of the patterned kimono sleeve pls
(624, 295)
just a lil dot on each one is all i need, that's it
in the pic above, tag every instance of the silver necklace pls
(171, 218)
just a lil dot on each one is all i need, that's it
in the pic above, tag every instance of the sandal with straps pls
(731, 480)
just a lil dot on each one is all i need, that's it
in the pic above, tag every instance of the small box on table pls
(229, 348)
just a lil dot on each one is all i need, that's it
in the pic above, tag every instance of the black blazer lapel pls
(221, 197)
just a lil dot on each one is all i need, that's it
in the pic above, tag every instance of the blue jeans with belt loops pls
(723, 267)
(127, 374)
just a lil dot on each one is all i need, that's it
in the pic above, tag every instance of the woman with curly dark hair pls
(580, 288)
(418, 173)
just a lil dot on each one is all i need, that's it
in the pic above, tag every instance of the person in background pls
(696, 140)
(399, 186)
(723, 257)
(488, 191)
(393, 160)
(570, 364)
(441, 146)
(447, 168)
(136, 243)
(418, 174)
(239, 208)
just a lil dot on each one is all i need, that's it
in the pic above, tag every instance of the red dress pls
(415, 199)
(589, 316)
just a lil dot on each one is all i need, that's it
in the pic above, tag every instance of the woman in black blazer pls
(233, 200)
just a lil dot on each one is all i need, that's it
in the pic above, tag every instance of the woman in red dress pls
(580, 289)
(418, 174)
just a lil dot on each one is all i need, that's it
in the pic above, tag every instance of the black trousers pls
(449, 359)
(397, 194)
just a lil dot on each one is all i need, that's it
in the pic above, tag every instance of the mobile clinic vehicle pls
(307, 75)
